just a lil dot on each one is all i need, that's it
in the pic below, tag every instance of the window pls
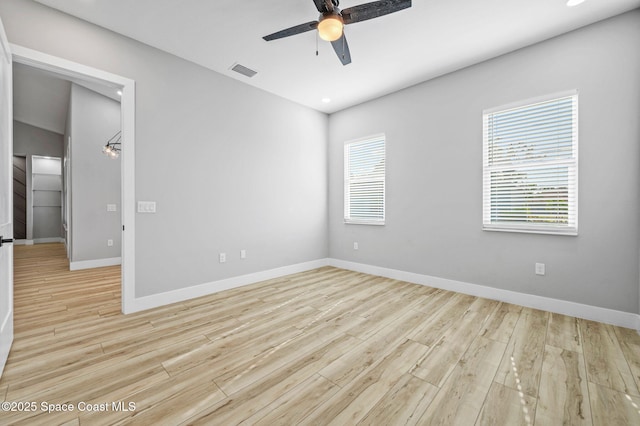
(530, 166)
(364, 174)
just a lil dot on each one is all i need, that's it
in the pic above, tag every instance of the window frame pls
(571, 228)
(348, 217)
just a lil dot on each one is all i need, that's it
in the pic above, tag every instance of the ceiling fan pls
(330, 24)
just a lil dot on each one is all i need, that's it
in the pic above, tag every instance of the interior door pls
(6, 201)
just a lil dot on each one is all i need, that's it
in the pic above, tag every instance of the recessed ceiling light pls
(572, 3)
(119, 92)
(326, 100)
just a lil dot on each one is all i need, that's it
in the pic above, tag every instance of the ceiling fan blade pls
(341, 48)
(298, 29)
(372, 10)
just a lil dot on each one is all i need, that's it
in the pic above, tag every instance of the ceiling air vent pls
(247, 72)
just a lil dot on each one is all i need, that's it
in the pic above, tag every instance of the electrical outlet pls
(243, 254)
(356, 246)
(540, 269)
(223, 257)
(109, 243)
(146, 206)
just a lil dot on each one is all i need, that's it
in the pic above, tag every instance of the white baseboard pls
(179, 295)
(48, 240)
(594, 313)
(38, 241)
(96, 263)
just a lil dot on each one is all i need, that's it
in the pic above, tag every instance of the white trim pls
(47, 240)
(364, 222)
(365, 139)
(594, 313)
(128, 200)
(5, 346)
(380, 137)
(75, 70)
(488, 168)
(6, 329)
(531, 101)
(95, 263)
(66, 68)
(6, 46)
(23, 243)
(7, 320)
(179, 295)
(530, 229)
(608, 316)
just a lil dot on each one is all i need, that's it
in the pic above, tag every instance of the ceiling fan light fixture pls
(331, 21)
(330, 27)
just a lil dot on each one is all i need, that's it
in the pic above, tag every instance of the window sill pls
(571, 232)
(364, 222)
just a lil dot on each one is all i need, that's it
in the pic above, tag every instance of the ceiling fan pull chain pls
(316, 43)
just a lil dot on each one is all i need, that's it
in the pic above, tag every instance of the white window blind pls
(530, 170)
(364, 181)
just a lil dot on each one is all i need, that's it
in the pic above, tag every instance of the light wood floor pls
(322, 347)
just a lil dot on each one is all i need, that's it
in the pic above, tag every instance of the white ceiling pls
(395, 51)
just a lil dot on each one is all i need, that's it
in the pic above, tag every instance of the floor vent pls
(241, 69)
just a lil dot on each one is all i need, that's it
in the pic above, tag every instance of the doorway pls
(46, 195)
(85, 75)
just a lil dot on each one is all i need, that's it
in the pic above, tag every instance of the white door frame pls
(6, 223)
(75, 70)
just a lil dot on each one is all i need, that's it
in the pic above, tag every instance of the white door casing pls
(6, 199)
(77, 71)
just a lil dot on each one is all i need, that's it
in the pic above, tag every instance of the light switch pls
(111, 207)
(146, 206)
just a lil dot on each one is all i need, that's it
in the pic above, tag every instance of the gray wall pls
(29, 140)
(434, 172)
(96, 179)
(230, 167)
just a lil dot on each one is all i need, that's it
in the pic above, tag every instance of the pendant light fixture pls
(112, 148)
